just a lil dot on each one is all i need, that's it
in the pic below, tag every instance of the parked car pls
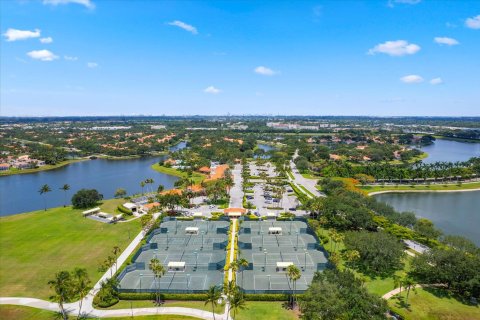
(293, 209)
(276, 200)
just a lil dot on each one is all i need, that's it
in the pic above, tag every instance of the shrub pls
(163, 296)
(122, 209)
(266, 297)
(86, 198)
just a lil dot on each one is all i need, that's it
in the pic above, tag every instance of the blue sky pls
(97, 57)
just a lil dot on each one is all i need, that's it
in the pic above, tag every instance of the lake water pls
(265, 147)
(452, 151)
(455, 213)
(19, 193)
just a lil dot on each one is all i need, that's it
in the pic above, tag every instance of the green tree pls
(243, 263)
(43, 191)
(86, 198)
(426, 229)
(293, 274)
(158, 271)
(63, 287)
(120, 193)
(237, 302)
(82, 286)
(65, 188)
(214, 294)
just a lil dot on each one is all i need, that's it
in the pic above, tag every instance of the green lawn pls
(453, 186)
(265, 311)
(125, 304)
(8, 312)
(34, 246)
(433, 304)
(196, 177)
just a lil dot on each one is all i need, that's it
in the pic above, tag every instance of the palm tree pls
(82, 285)
(408, 284)
(62, 285)
(397, 283)
(116, 250)
(65, 188)
(142, 184)
(160, 188)
(243, 263)
(213, 295)
(158, 271)
(293, 274)
(237, 302)
(44, 190)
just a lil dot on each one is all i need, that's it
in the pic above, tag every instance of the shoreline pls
(419, 191)
(43, 168)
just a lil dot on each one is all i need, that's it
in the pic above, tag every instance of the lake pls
(455, 213)
(451, 151)
(19, 193)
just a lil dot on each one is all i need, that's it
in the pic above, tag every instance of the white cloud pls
(87, 3)
(43, 55)
(445, 40)
(92, 65)
(473, 23)
(395, 48)
(70, 58)
(391, 3)
(46, 40)
(436, 81)
(212, 90)
(184, 26)
(413, 78)
(264, 71)
(15, 34)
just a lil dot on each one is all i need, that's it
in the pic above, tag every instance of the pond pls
(450, 151)
(453, 212)
(19, 193)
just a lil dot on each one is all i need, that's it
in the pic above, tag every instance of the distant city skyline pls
(373, 58)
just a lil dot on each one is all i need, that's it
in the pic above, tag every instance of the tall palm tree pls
(65, 188)
(243, 263)
(62, 285)
(237, 302)
(293, 273)
(116, 250)
(213, 295)
(408, 284)
(158, 271)
(142, 184)
(44, 190)
(82, 286)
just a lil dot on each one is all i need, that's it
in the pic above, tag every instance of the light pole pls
(203, 232)
(207, 227)
(291, 222)
(262, 239)
(305, 268)
(196, 258)
(269, 287)
(141, 275)
(188, 281)
(155, 253)
(166, 248)
(176, 222)
(296, 248)
(265, 266)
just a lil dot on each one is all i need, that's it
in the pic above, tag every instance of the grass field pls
(436, 187)
(433, 304)
(25, 313)
(265, 311)
(196, 177)
(125, 304)
(34, 246)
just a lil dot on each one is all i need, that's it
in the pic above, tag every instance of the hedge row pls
(163, 296)
(122, 209)
(266, 297)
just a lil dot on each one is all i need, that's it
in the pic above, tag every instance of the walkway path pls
(298, 179)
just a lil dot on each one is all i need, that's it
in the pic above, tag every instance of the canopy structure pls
(275, 230)
(176, 266)
(191, 230)
(197, 215)
(91, 211)
(234, 212)
(130, 206)
(282, 266)
(271, 215)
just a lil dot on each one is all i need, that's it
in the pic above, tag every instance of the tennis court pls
(270, 247)
(192, 252)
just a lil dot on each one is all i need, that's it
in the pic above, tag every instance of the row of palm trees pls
(46, 189)
(417, 171)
